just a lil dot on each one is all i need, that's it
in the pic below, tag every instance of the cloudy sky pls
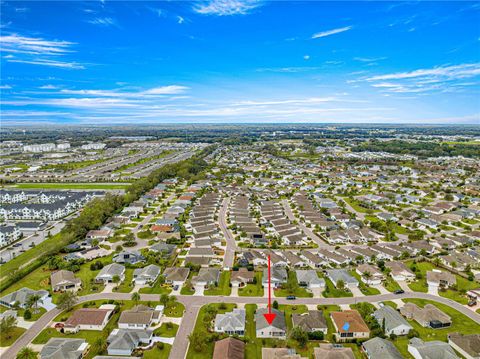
(230, 61)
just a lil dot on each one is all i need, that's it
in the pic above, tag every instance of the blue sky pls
(230, 61)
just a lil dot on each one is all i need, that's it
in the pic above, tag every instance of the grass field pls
(202, 327)
(365, 289)
(7, 339)
(164, 331)
(252, 290)
(223, 287)
(91, 186)
(332, 292)
(293, 288)
(157, 353)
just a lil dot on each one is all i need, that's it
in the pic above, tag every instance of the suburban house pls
(21, 296)
(9, 234)
(333, 351)
(467, 345)
(241, 277)
(337, 275)
(110, 272)
(206, 276)
(399, 271)
(124, 341)
(130, 257)
(140, 317)
(393, 322)
(89, 319)
(164, 248)
(231, 323)
(378, 348)
(349, 325)
(229, 348)
(309, 279)
(277, 353)
(68, 348)
(176, 276)
(427, 350)
(63, 280)
(278, 277)
(429, 316)
(311, 321)
(278, 328)
(370, 274)
(437, 278)
(146, 275)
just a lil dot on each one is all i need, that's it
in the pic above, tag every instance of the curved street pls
(193, 303)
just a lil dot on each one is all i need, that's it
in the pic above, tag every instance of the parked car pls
(291, 297)
(399, 291)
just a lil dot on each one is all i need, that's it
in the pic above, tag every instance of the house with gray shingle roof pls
(176, 275)
(125, 341)
(378, 348)
(231, 323)
(63, 280)
(148, 274)
(278, 328)
(110, 271)
(336, 275)
(278, 276)
(392, 321)
(311, 321)
(428, 350)
(64, 348)
(21, 297)
(309, 278)
(206, 276)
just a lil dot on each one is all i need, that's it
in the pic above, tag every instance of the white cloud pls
(103, 21)
(14, 43)
(51, 63)
(5, 87)
(37, 51)
(306, 57)
(370, 59)
(180, 20)
(445, 78)
(48, 87)
(331, 32)
(156, 91)
(226, 7)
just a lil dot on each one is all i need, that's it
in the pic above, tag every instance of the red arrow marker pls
(269, 317)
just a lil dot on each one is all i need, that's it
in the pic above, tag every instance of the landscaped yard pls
(127, 285)
(252, 290)
(223, 287)
(157, 353)
(166, 330)
(332, 292)
(203, 326)
(292, 287)
(420, 285)
(390, 284)
(7, 339)
(365, 289)
(460, 323)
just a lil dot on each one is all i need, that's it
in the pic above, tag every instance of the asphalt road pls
(231, 244)
(193, 303)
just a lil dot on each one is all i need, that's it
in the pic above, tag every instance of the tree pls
(300, 335)
(116, 279)
(100, 344)
(27, 353)
(340, 284)
(7, 324)
(164, 299)
(275, 304)
(33, 301)
(197, 341)
(135, 297)
(67, 300)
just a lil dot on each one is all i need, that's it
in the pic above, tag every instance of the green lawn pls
(365, 289)
(174, 310)
(292, 288)
(252, 290)
(420, 285)
(157, 288)
(460, 323)
(203, 326)
(37, 279)
(356, 206)
(156, 353)
(390, 284)
(164, 331)
(127, 285)
(391, 304)
(332, 292)
(223, 287)
(91, 186)
(7, 339)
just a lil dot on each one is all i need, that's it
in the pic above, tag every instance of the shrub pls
(27, 315)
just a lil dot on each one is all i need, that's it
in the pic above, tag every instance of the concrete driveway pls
(356, 292)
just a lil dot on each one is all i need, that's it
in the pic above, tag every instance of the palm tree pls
(27, 353)
(33, 301)
(135, 297)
